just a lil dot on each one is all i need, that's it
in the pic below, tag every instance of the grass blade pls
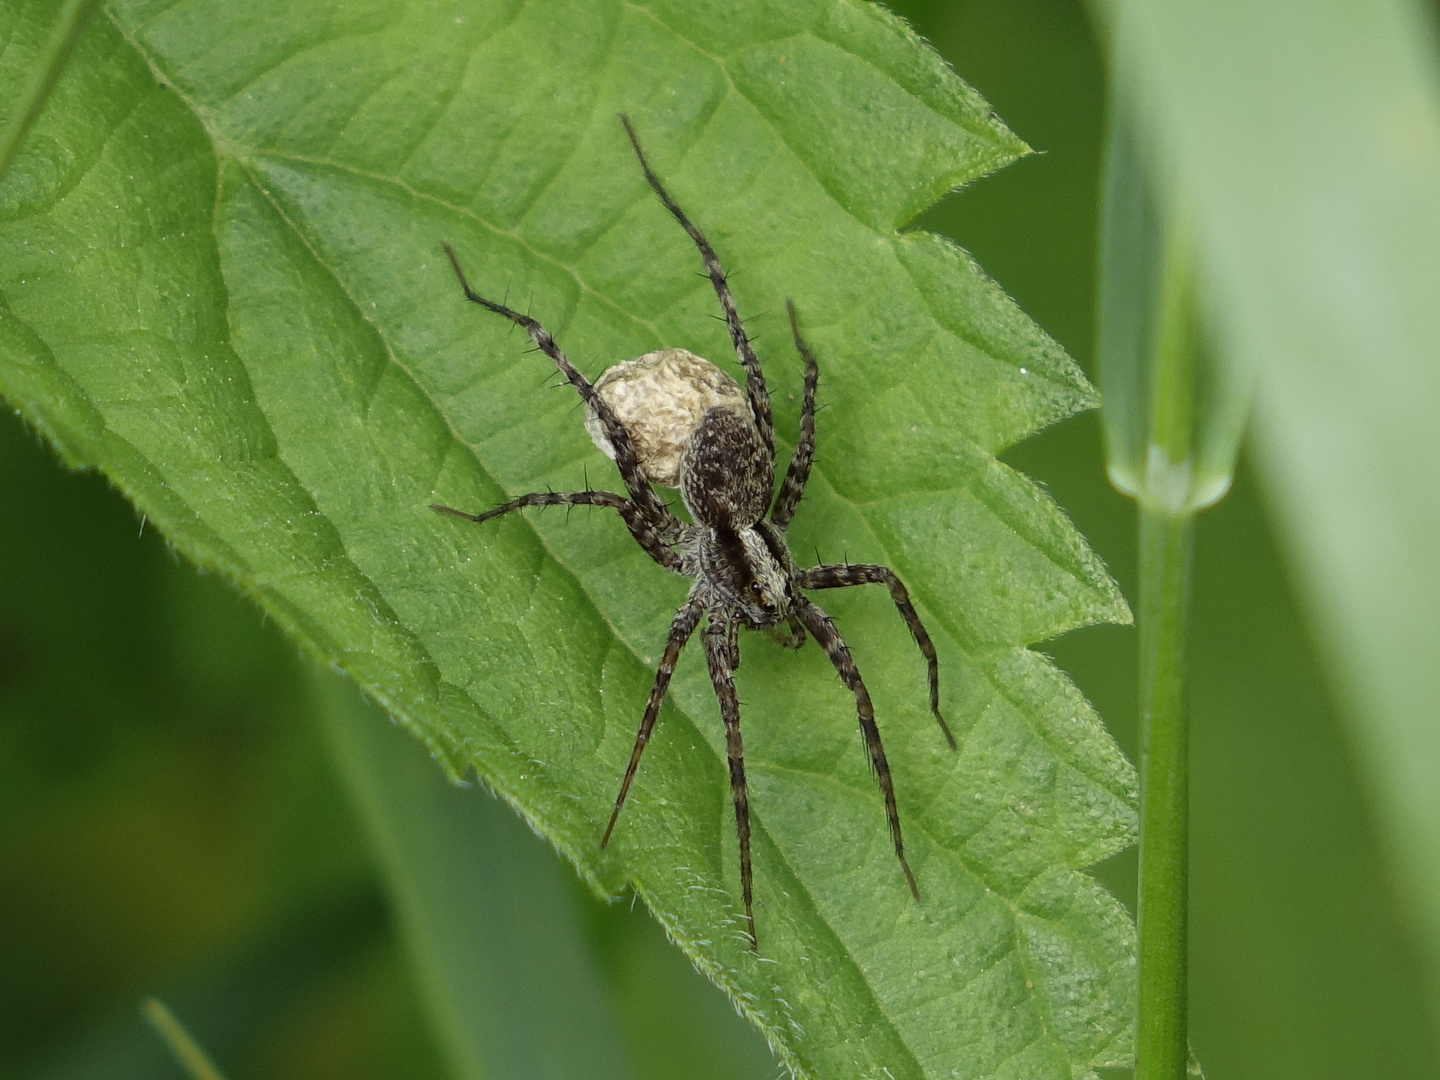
(487, 910)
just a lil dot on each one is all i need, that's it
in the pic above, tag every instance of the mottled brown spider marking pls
(744, 575)
(726, 475)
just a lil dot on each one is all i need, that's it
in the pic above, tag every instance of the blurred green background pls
(171, 821)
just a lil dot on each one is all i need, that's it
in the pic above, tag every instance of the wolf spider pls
(743, 570)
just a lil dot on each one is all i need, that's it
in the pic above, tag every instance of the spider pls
(736, 553)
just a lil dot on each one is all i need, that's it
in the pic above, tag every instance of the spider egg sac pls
(660, 398)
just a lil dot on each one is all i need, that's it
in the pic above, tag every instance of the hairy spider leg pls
(754, 378)
(653, 541)
(795, 637)
(681, 627)
(732, 639)
(626, 457)
(838, 576)
(829, 639)
(717, 657)
(798, 474)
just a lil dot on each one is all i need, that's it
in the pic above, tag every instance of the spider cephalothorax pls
(744, 575)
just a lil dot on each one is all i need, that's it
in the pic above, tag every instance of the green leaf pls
(223, 286)
(1174, 409)
(1317, 221)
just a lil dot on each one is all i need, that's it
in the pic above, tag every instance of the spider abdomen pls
(726, 473)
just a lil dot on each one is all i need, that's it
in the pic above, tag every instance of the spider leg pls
(799, 472)
(681, 627)
(793, 640)
(627, 460)
(797, 634)
(717, 657)
(837, 576)
(732, 641)
(655, 541)
(829, 639)
(754, 378)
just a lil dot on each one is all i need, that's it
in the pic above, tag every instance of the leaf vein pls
(533, 198)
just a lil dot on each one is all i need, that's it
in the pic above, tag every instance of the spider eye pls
(755, 587)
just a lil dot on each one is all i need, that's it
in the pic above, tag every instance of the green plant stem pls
(182, 1044)
(43, 76)
(1165, 560)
